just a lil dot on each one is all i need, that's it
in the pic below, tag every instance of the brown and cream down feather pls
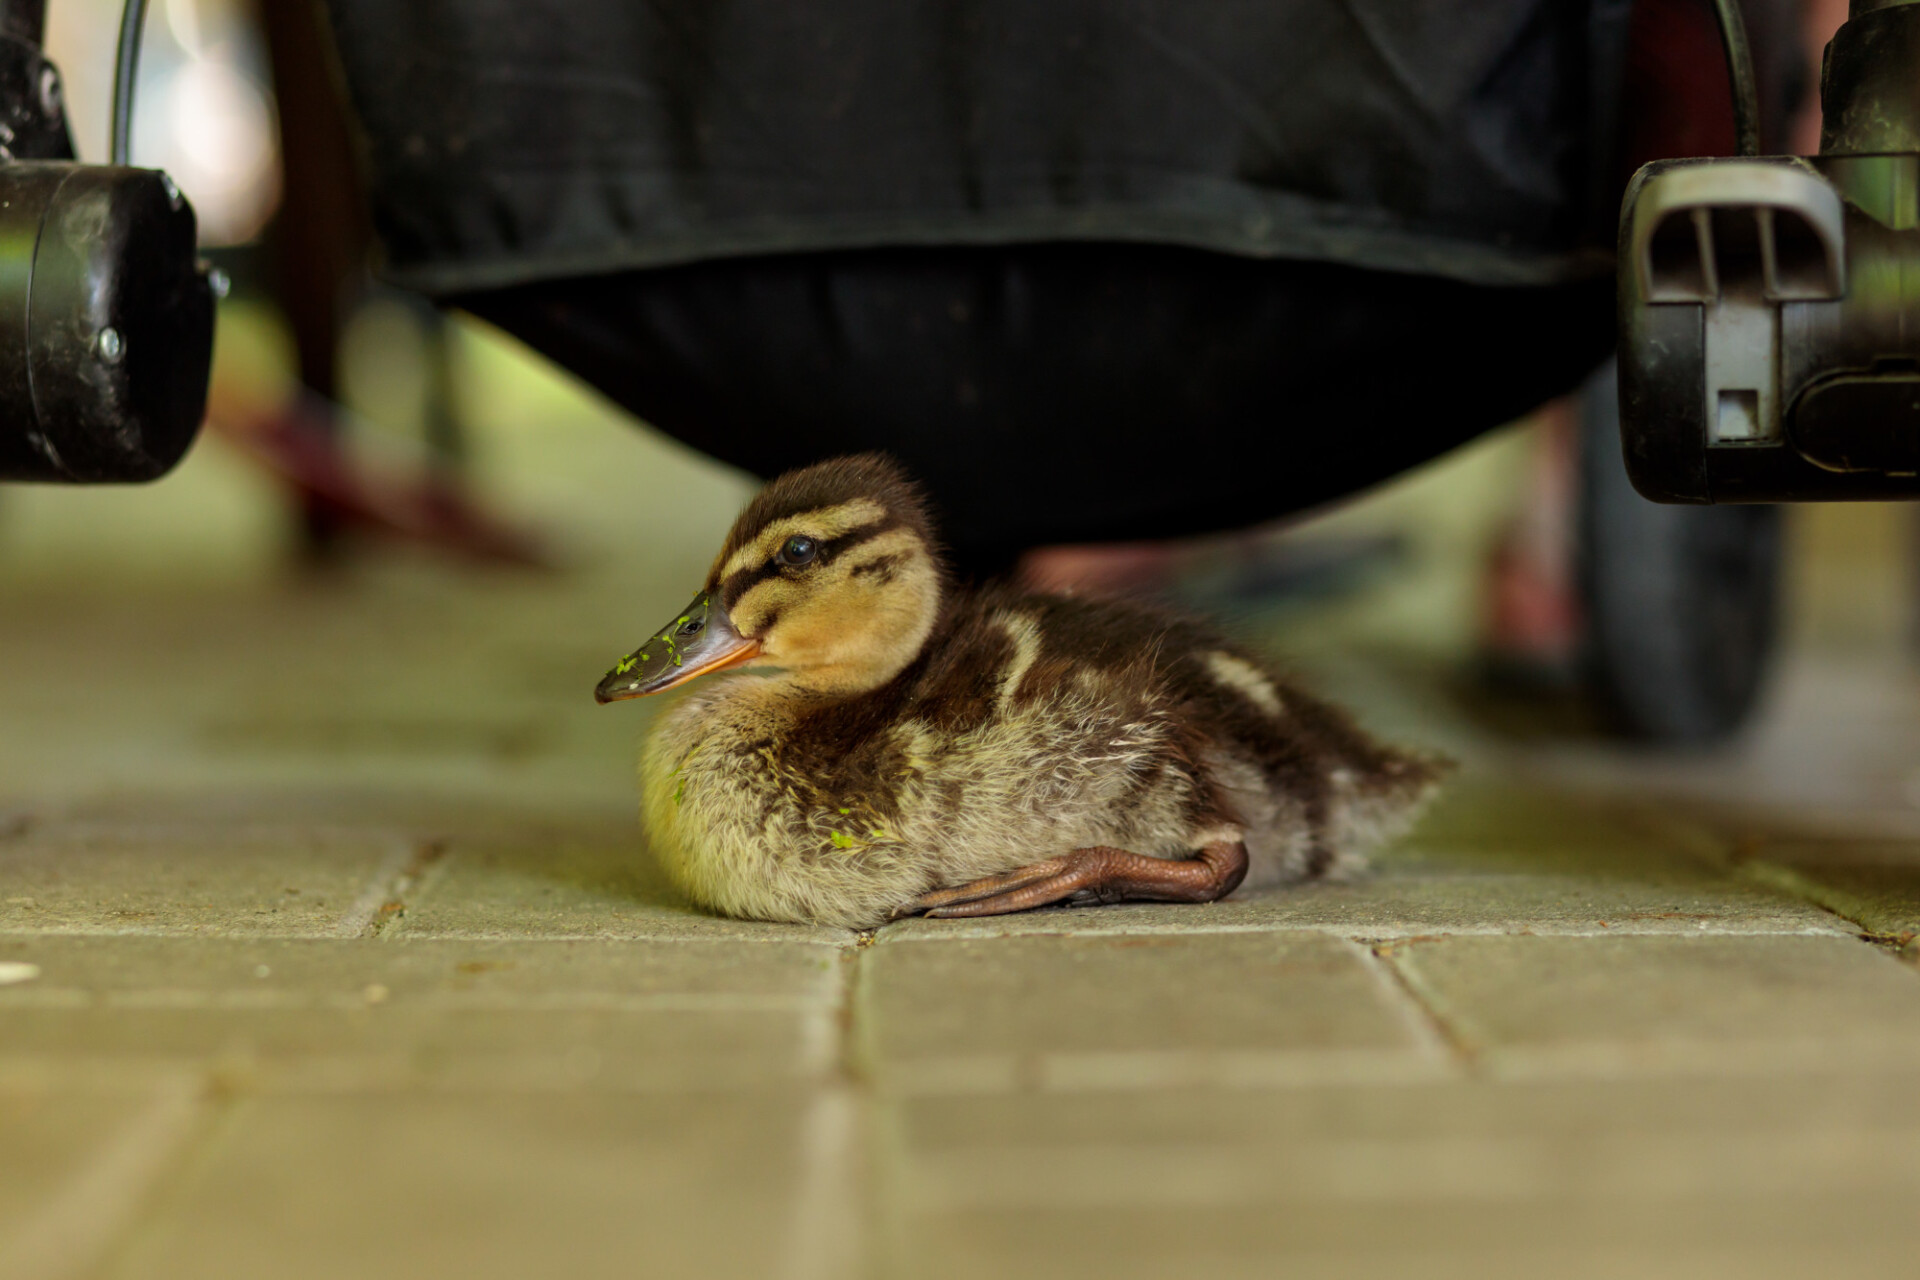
(903, 735)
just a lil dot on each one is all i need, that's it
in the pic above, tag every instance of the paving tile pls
(293, 1015)
(78, 1166)
(482, 1186)
(492, 866)
(1570, 1111)
(1396, 903)
(1127, 1012)
(386, 679)
(594, 882)
(1495, 822)
(1786, 1236)
(1715, 1004)
(204, 877)
(1875, 884)
(1638, 1176)
(516, 973)
(1829, 755)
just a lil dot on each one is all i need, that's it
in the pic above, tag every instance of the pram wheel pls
(1681, 603)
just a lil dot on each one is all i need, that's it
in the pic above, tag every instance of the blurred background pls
(535, 442)
(1461, 560)
(1465, 561)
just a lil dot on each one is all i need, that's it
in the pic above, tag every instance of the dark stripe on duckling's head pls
(872, 483)
(881, 568)
(826, 551)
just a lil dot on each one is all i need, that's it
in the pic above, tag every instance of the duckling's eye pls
(798, 550)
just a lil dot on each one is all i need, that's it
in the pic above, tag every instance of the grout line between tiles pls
(390, 906)
(832, 1209)
(1837, 903)
(1416, 1001)
(357, 920)
(825, 1238)
(76, 1231)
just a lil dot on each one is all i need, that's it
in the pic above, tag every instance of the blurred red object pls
(299, 443)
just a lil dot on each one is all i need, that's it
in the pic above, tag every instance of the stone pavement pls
(327, 947)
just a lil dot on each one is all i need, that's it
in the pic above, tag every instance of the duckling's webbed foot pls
(1087, 877)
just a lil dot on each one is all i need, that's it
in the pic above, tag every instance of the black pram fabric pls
(518, 140)
(1069, 392)
(1093, 269)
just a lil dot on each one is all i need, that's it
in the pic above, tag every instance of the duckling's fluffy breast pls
(1030, 726)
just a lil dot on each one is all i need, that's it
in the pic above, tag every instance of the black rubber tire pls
(1681, 603)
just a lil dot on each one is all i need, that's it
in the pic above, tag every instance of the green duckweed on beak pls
(700, 640)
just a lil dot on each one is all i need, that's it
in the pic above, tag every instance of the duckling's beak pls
(700, 640)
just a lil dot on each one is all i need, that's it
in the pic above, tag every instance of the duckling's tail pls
(1331, 795)
(1375, 806)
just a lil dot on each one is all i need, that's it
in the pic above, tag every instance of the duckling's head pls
(829, 579)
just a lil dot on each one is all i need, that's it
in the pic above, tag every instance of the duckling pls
(900, 745)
